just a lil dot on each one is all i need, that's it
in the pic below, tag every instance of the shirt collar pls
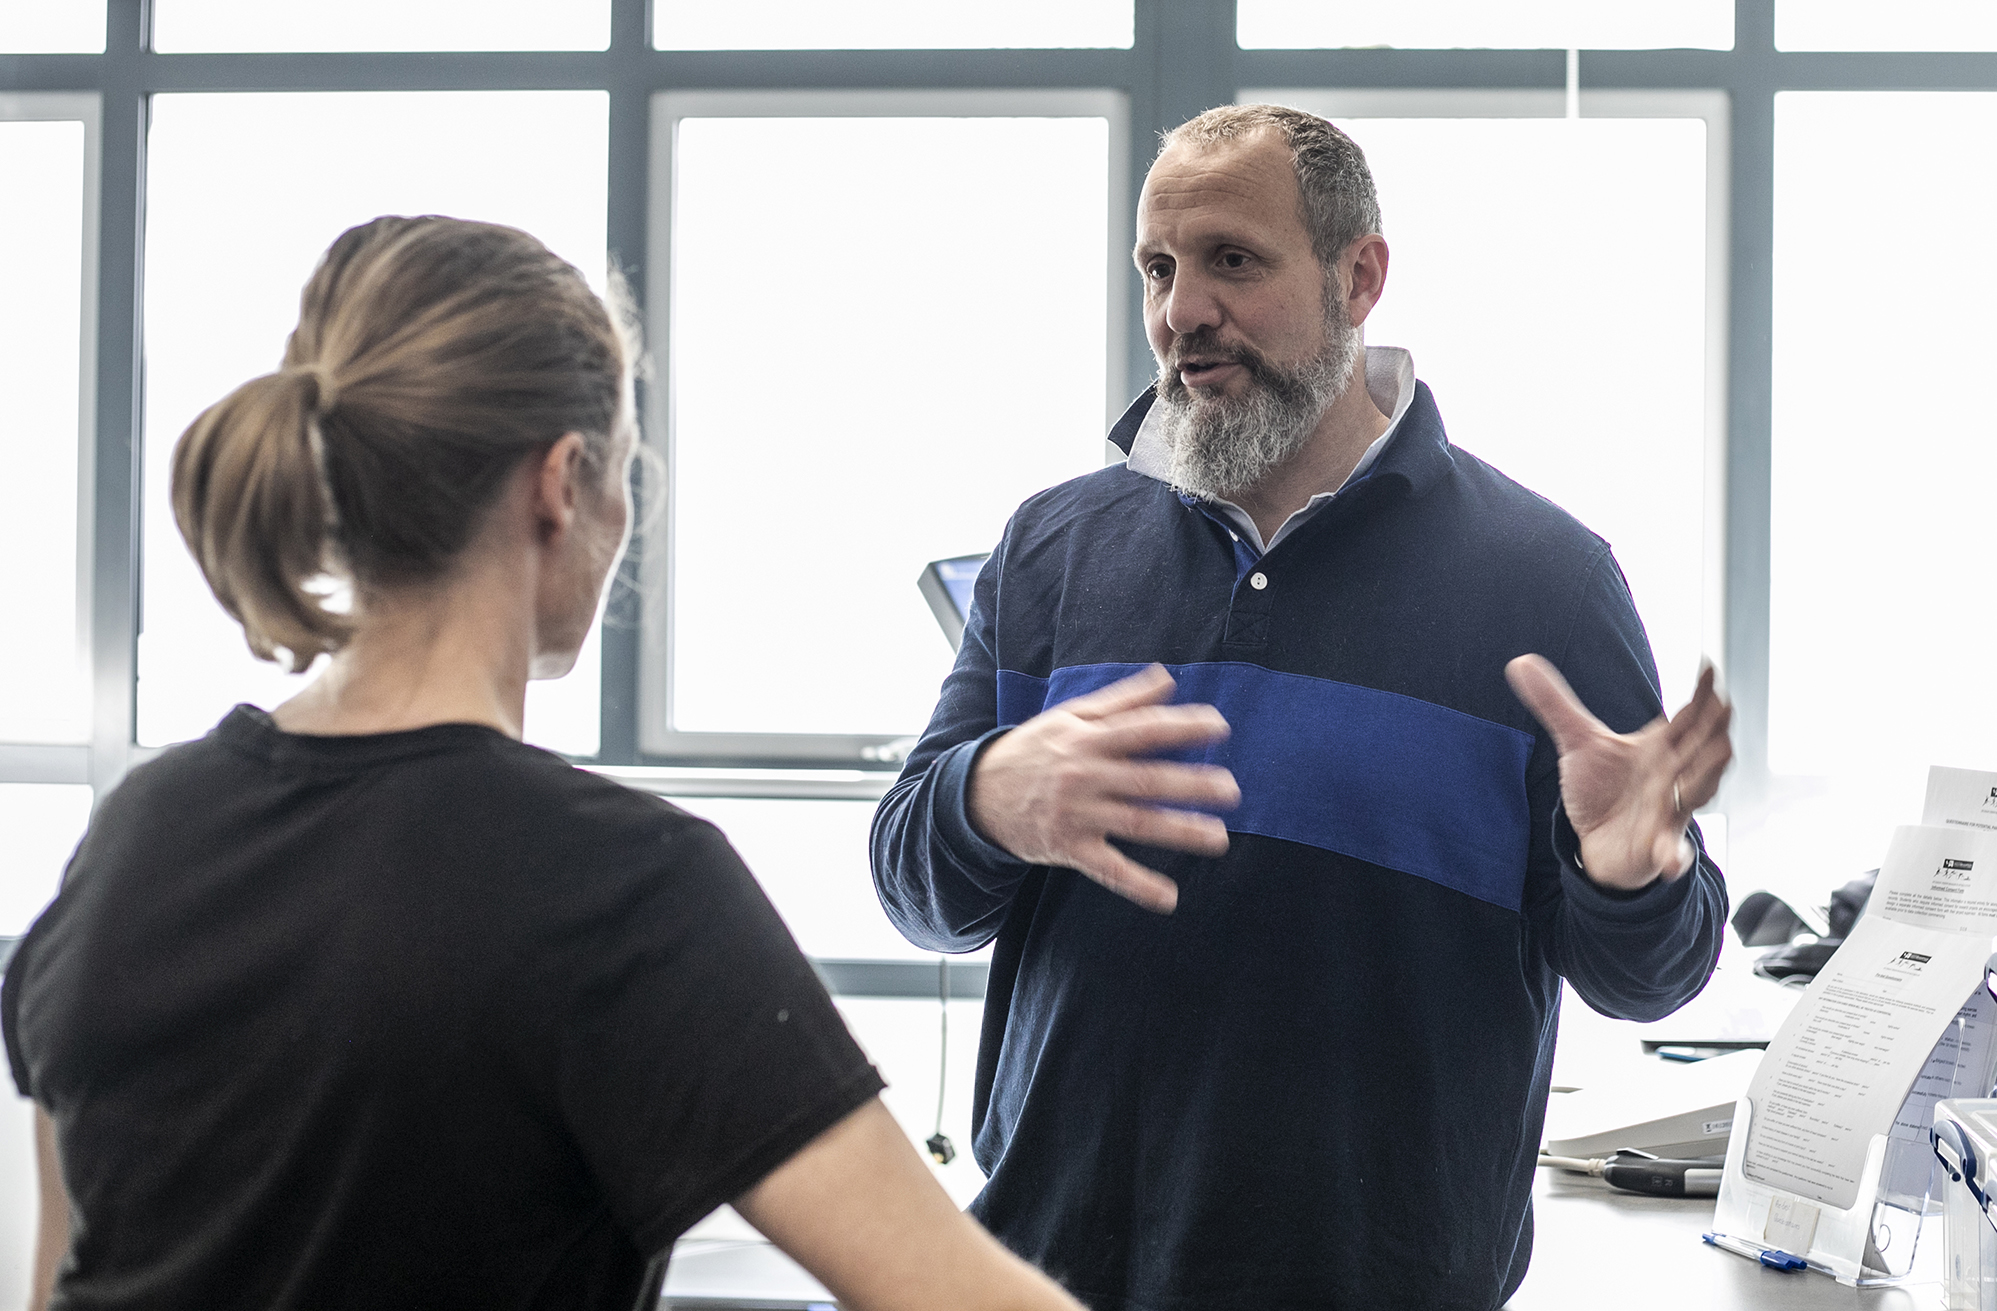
(1390, 381)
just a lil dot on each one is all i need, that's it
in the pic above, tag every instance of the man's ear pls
(558, 485)
(1363, 270)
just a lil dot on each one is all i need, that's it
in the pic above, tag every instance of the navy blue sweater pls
(1321, 1082)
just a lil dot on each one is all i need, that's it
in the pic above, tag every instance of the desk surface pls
(1592, 1247)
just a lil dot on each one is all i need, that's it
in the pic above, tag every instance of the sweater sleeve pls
(1633, 956)
(941, 883)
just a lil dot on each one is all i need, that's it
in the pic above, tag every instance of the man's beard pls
(1224, 445)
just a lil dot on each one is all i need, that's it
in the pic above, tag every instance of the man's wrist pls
(1567, 845)
(955, 778)
(975, 795)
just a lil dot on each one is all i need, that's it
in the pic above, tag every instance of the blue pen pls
(1771, 1257)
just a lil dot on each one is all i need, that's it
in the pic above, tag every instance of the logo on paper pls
(1989, 806)
(1912, 958)
(1956, 871)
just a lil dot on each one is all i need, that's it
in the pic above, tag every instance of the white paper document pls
(1850, 1053)
(1963, 797)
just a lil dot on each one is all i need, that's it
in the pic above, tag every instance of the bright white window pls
(43, 822)
(903, 1036)
(44, 211)
(244, 194)
(1566, 321)
(1881, 617)
(885, 333)
(230, 25)
(52, 27)
(888, 24)
(811, 858)
(1517, 24)
(1868, 25)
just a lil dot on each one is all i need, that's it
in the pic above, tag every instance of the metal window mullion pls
(558, 70)
(36, 762)
(1751, 308)
(1184, 60)
(120, 253)
(1881, 70)
(1404, 69)
(1198, 59)
(629, 159)
(1663, 70)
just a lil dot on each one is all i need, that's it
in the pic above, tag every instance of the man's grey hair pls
(1338, 201)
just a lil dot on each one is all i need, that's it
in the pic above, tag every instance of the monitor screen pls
(947, 586)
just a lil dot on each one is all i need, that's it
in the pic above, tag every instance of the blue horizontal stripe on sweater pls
(1385, 778)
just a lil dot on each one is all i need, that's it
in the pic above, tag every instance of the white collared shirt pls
(1390, 381)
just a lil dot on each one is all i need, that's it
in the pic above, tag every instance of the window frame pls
(660, 742)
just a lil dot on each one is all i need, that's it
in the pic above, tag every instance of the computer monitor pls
(946, 585)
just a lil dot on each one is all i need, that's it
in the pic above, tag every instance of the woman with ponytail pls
(363, 1002)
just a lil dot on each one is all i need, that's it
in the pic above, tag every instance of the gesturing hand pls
(1054, 790)
(1629, 795)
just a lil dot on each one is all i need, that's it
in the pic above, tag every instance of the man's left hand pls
(1629, 796)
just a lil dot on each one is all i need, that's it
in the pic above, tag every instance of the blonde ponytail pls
(250, 497)
(432, 355)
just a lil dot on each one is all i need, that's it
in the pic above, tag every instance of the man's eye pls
(1160, 271)
(1234, 259)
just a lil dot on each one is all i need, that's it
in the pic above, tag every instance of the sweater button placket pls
(1248, 616)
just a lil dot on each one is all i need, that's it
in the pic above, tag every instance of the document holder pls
(1873, 1242)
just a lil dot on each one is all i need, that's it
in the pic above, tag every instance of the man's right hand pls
(1054, 790)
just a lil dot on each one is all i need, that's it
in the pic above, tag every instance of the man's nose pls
(1191, 305)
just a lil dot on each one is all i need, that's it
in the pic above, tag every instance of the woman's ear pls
(558, 489)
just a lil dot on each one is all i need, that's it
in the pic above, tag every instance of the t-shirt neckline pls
(251, 730)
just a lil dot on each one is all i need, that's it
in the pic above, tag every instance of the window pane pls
(52, 27)
(1885, 454)
(43, 822)
(220, 25)
(1560, 321)
(229, 246)
(1451, 24)
(903, 1037)
(1867, 25)
(811, 858)
(871, 393)
(888, 24)
(44, 661)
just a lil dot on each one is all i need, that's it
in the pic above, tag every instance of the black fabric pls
(1321, 1082)
(424, 1019)
(1123, 433)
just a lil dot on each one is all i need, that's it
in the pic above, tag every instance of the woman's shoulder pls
(483, 797)
(569, 824)
(599, 811)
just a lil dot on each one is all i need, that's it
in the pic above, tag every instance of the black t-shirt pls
(423, 1019)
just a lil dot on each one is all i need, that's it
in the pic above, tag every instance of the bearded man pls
(1283, 873)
